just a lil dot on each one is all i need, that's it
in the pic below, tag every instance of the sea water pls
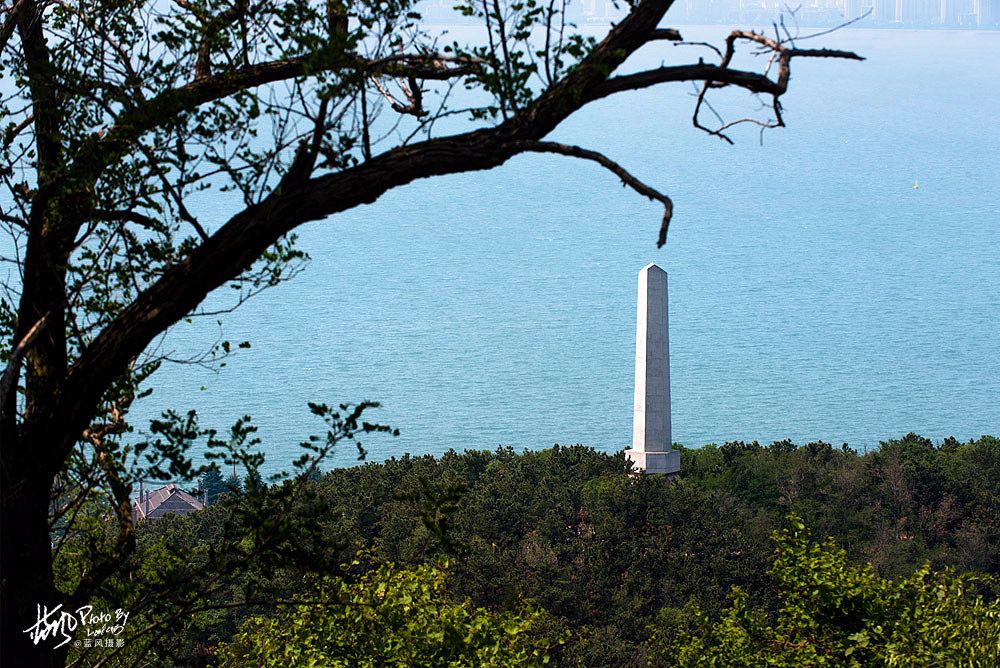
(814, 292)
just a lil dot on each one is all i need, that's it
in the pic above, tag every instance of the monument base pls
(662, 463)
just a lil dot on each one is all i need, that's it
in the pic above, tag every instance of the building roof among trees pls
(170, 499)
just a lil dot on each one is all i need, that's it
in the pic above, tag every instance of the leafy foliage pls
(612, 558)
(833, 613)
(186, 573)
(387, 617)
(213, 484)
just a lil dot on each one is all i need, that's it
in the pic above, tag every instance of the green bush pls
(388, 617)
(834, 613)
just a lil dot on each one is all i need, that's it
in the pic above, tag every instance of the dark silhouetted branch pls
(612, 166)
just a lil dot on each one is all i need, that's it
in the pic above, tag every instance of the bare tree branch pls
(752, 81)
(704, 44)
(414, 105)
(8, 382)
(203, 64)
(240, 241)
(778, 53)
(668, 34)
(10, 23)
(14, 220)
(12, 133)
(616, 169)
(305, 156)
(105, 148)
(130, 216)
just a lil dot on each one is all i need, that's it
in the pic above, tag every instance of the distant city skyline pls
(880, 13)
(925, 13)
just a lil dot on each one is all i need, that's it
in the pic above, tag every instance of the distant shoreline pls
(583, 25)
(752, 22)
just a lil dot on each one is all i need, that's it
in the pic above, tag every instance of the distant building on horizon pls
(880, 13)
(987, 12)
(169, 499)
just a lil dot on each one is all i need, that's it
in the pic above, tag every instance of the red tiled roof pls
(169, 499)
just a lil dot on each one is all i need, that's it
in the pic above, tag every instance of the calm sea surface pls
(814, 293)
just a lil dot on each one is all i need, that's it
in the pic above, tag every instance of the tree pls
(389, 617)
(834, 613)
(234, 484)
(213, 484)
(122, 112)
(254, 480)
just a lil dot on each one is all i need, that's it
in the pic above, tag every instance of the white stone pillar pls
(651, 439)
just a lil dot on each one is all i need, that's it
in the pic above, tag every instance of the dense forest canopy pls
(598, 568)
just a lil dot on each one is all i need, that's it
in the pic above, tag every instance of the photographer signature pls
(56, 623)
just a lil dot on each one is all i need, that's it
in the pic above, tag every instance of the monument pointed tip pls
(651, 266)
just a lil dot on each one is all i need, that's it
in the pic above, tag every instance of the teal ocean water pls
(814, 293)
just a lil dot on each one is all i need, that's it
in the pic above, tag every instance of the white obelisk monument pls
(651, 444)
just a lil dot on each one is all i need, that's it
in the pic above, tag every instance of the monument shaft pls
(651, 436)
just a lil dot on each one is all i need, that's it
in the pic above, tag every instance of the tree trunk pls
(27, 564)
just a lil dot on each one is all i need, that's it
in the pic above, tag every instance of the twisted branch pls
(781, 53)
(627, 178)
